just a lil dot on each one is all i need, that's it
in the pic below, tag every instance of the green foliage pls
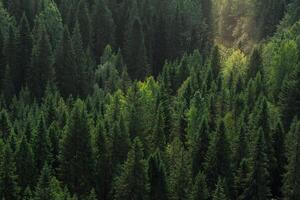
(133, 181)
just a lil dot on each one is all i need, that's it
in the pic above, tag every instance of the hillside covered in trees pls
(149, 99)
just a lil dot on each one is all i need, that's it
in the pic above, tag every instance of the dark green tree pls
(292, 176)
(76, 156)
(157, 177)
(200, 191)
(9, 189)
(41, 71)
(135, 51)
(25, 168)
(257, 186)
(132, 184)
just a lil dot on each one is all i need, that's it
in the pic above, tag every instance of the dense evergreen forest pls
(149, 99)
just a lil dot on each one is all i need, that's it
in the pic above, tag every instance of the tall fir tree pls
(9, 189)
(157, 177)
(76, 156)
(257, 186)
(41, 71)
(292, 176)
(133, 184)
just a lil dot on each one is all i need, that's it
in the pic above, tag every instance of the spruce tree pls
(65, 67)
(9, 189)
(132, 184)
(5, 125)
(219, 193)
(157, 177)
(257, 186)
(25, 45)
(135, 51)
(278, 143)
(41, 71)
(76, 156)
(217, 162)
(103, 27)
(200, 190)
(25, 168)
(292, 176)
(41, 144)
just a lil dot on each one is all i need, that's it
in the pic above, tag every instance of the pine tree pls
(103, 27)
(5, 125)
(103, 163)
(84, 22)
(200, 146)
(215, 62)
(240, 179)
(11, 57)
(289, 97)
(255, 64)
(132, 184)
(41, 144)
(135, 51)
(81, 65)
(257, 186)
(8, 88)
(2, 58)
(180, 183)
(41, 71)
(278, 143)
(157, 177)
(25, 168)
(158, 138)
(25, 50)
(65, 66)
(9, 189)
(76, 156)
(292, 176)
(219, 193)
(200, 191)
(218, 163)
(48, 187)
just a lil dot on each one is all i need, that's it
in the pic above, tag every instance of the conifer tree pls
(132, 184)
(103, 27)
(255, 63)
(25, 45)
(135, 51)
(157, 177)
(200, 191)
(103, 163)
(76, 156)
(289, 97)
(219, 193)
(8, 88)
(218, 163)
(84, 22)
(65, 67)
(9, 189)
(41, 144)
(25, 168)
(292, 177)
(41, 71)
(48, 186)
(200, 146)
(180, 183)
(11, 57)
(158, 139)
(278, 143)
(5, 125)
(215, 62)
(257, 186)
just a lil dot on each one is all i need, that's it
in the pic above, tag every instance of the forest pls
(149, 99)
